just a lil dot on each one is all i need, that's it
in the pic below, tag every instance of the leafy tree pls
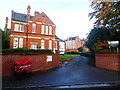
(80, 49)
(5, 40)
(107, 15)
(95, 35)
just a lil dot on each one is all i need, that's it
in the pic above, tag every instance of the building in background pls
(73, 43)
(61, 45)
(32, 32)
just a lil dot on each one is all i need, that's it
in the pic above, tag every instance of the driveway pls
(74, 72)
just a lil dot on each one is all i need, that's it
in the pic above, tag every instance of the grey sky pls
(69, 16)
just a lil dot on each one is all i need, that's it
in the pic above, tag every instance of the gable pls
(43, 18)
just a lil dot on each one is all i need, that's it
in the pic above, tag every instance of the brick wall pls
(71, 50)
(108, 61)
(39, 62)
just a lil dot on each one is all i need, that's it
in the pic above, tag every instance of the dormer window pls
(33, 28)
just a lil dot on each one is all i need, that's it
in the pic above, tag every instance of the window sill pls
(33, 32)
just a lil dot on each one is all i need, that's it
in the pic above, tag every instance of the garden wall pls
(108, 61)
(39, 62)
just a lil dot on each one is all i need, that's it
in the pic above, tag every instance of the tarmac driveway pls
(74, 72)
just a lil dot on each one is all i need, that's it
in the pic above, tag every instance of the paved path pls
(74, 72)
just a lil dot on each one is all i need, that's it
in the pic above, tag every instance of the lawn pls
(67, 56)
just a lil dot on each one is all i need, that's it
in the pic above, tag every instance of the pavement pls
(76, 72)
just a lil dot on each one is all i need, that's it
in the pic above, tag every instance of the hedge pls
(72, 52)
(25, 52)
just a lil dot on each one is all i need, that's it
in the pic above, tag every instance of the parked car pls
(62, 52)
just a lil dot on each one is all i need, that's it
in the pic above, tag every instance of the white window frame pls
(20, 42)
(33, 28)
(42, 44)
(42, 29)
(50, 30)
(50, 44)
(56, 47)
(33, 46)
(15, 44)
(16, 27)
(46, 29)
(21, 27)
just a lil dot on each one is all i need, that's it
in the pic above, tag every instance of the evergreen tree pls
(5, 40)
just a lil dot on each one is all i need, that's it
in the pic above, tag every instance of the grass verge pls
(66, 56)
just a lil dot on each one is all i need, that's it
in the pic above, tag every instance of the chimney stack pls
(6, 24)
(28, 12)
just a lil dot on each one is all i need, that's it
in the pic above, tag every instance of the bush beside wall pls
(21, 51)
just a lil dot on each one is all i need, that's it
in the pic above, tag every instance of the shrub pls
(80, 49)
(103, 48)
(5, 40)
(21, 51)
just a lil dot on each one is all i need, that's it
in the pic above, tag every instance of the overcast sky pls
(69, 16)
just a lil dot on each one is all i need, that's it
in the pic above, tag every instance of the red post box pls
(23, 67)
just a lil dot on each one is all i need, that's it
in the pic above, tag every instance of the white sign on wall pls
(49, 58)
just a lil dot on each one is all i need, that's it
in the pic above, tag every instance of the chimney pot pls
(28, 12)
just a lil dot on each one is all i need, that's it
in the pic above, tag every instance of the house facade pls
(32, 32)
(73, 43)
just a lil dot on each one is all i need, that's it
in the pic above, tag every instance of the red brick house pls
(32, 32)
